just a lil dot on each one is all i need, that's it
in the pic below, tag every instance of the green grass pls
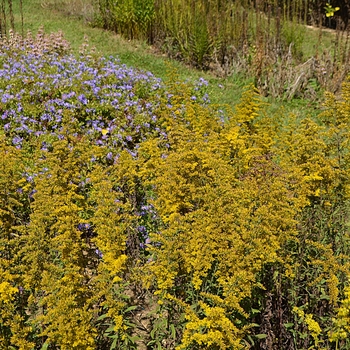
(228, 90)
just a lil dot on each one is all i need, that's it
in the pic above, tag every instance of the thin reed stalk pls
(12, 19)
(22, 18)
(3, 13)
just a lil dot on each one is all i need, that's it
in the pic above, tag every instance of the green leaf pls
(130, 324)
(130, 308)
(255, 311)
(288, 325)
(172, 330)
(255, 325)
(251, 340)
(134, 338)
(110, 329)
(261, 336)
(101, 317)
(114, 344)
(45, 346)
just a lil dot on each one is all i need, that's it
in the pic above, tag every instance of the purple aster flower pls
(99, 253)
(142, 229)
(133, 154)
(82, 99)
(6, 97)
(31, 194)
(109, 156)
(84, 226)
(17, 140)
(202, 82)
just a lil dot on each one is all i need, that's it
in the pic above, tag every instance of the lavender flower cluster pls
(111, 103)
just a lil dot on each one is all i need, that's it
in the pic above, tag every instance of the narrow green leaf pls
(114, 344)
(101, 317)
(45, 346)
(261, 336)
(130, 308)
(109, 329)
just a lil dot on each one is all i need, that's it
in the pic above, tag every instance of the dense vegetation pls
(264, 39)
(136, 214)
